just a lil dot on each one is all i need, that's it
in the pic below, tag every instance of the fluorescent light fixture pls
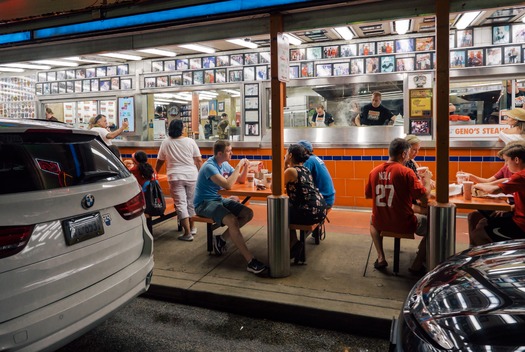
(56, 63)
(231, 91)
(158, 52)
(402, 26)
(292, 39)
(11, 69)
(181, 101)
(28, 66)
(122, 56)
(81, 59)
(466, 19)
(243, 42)
(344, 32)
(197, 47)
(209, 93)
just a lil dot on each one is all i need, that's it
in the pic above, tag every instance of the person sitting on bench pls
(217, 173)
(393, 186)
(306, 205)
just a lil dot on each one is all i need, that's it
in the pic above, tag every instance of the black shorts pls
(503, 228)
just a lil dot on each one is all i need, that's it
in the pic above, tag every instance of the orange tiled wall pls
(351, 166)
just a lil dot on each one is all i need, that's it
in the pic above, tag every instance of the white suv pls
(74, 245)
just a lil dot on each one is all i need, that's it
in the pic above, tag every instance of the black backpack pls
(155, 203)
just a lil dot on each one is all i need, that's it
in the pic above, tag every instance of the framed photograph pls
(323, 70)
(78, 86)
(457, 58)
(235, 76)
(464, 38)
(198, 77)
(162, 81)
(420, 102)
(169, 65)
(367, 49)
(405, 64)
(182, 64)
(209, 62)
(385, 47)
(249, 73)
(80, 73)
(252, 129)
(294, 71)
(313, 53)
(125, 83)
(251, 89)
(101, 71)
(157, 66)
(475, 58)
(307, 69)
(61, 75)
(357, 66)
(404, 45)
(297, 54)
(61, 87)
(251, 103)
(220, 75)
(104, 85)
(54, 88)
(209, 76)
(46, 89)
(372, 64)
(42, 76)
(70, 74)
(220, 106)
(424, 61)
(518, 33)
(330, 52)
(86, 85)
(175, 80)
(150, 82)
(388, 63)
(341, 69)
(251, 116)
(52, 76)
(123, 69)
(94, 85)
(261, 73)
(421, 127)
(348, 50)
(195, 63)
(493, 56)
(90, 72)
(425, 44)
(512, 54)
(222, 60)
(264, 57)
(204, 109)
(251, 59)
(501, 34)
(236, 60)
(115, 83)
(452, 40)
(38, 89)
(187, 78)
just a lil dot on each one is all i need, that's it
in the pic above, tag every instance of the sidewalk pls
(338, 288)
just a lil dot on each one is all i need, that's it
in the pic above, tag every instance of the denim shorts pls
(218, 209)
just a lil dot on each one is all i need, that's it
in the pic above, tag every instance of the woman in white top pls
(100, 124)
(183, 161)
(516, 121)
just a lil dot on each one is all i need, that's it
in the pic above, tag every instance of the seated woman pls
(415, 145)
(516, 121)
(306, 205)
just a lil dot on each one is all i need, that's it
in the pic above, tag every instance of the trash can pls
(278, 236)
(441, 238)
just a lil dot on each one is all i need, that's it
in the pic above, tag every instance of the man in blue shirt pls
(217, 173)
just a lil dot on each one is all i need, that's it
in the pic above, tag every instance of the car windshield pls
(49, 160)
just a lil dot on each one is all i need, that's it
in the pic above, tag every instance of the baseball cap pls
(516, 114)
(307, 145)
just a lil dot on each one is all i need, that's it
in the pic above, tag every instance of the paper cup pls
(461, 177)
(421, 170)
(467, 190)
(268, 179)
(249, 177)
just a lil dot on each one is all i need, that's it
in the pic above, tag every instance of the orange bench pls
(397, 245)
(211, 225)
(305, 231)
(169, 213)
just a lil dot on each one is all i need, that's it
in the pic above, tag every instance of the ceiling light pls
(81, 59)
(402, 26)
(158, 52)
(122, 56)
(344, 32)
(243, 42)
(181, 101)
(466, 19)
(11, 69)
(523, 19)
(56, 63)
(197, 47)
(292, 39)
(231, 91)
(28, 66)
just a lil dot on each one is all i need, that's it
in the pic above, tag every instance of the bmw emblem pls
(88, 201)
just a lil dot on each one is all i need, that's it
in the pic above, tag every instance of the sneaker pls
(219, 245)
(185, 237)
(256, 267)
(194, 231)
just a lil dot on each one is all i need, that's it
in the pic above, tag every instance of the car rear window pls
(48, 160)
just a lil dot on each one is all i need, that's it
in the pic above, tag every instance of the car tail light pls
(132, 208)
(13, 239)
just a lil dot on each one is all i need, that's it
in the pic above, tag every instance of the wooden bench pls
(397, 245)
(211, 225)
(305, 231)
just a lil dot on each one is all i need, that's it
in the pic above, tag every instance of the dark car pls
(474, 301)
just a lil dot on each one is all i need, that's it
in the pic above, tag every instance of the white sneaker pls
(193, 231)
(187, 238)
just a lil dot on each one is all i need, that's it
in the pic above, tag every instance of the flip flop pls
(381, 265)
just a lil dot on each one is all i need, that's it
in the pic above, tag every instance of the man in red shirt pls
(393, 187)
(503, 226)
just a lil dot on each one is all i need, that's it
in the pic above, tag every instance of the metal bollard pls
(441, 239)
(278, 236)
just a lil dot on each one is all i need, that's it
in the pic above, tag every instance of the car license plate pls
(82, 228)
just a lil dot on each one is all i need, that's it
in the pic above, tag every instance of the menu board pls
(126, 112)
(69, 113)
(109, 109)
